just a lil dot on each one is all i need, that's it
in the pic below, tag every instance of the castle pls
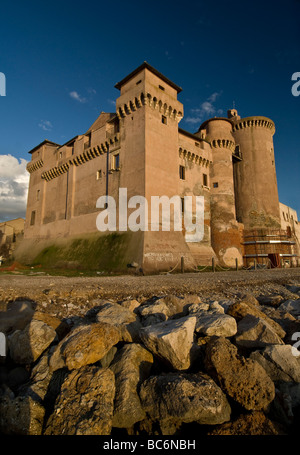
(229, 161)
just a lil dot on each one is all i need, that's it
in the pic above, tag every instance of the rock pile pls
(164, 366)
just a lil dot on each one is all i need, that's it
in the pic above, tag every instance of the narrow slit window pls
(182, 172)
(164, 119)
(99, 174)
(161, 88)
(116, 161)
(182, 204)
(205, 180)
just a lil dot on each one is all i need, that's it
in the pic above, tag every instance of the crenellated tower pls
(257, 203)
(225, 233)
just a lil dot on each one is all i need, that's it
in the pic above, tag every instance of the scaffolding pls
(275, 247)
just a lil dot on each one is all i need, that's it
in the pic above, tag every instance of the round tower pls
(225, 235)
(257, 204)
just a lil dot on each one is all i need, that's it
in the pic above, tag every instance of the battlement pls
(250, 122)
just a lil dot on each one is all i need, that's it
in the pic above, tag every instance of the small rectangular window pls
(99, 174)
(161, 87)
(32, 219)
(138, 82)
(164, 119)
(38, 195)
(60, 155)
(182, 172)
(205, 180)
(197, 144)
(215, 184)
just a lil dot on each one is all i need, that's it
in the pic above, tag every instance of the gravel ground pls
(206, 285)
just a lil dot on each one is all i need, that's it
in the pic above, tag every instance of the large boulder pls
(177, 398)
(171, 341)
(279, 362)
(26, 346)
(84, 345)
(241, 309)
(131, 367)
(211, 320)
(21, 416)
(161, 309)
(85, 403)
(245, 380)
(254, 332)
(124, 319)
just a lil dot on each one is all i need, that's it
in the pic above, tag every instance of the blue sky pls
(62, 59)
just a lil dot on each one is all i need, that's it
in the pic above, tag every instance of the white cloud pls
(75, 95)
(206, 109)
(193, 119)
(46, 125)
(14, 181)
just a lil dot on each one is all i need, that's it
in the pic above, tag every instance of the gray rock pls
(26, 346)
(171, 341)
(294, 288)
(153, 313)
(254, 332)
(284, 319)
(162, 309)
(292, 307)
(196, 308)
(225, 303)
(131, 367)
(279, 362)
(176, 398)
(211, 320)
(124, 319)
(85, 403)
(273, 300)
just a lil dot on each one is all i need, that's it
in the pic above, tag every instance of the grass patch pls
(103, 253)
